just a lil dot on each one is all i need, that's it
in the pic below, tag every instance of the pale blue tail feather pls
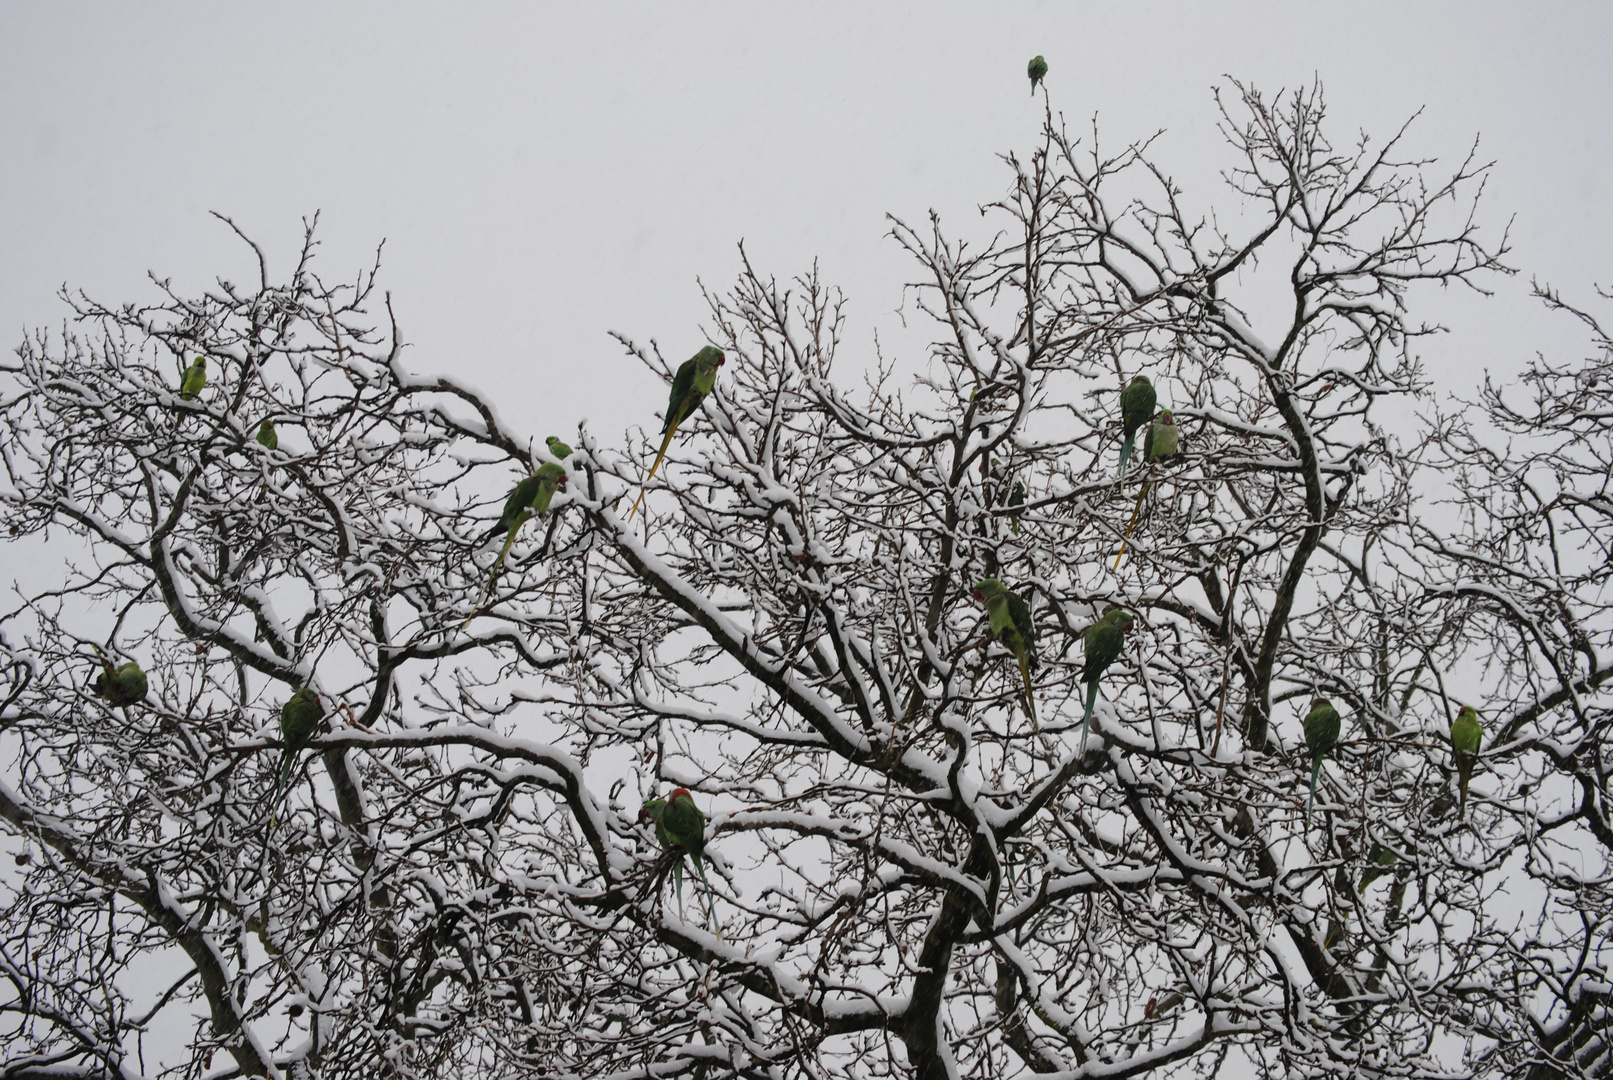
(1086, 717)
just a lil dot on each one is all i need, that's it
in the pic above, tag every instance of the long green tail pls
(1125, 451)
(1464, 773)
(1086, 717)
(287, 760)
(711, 912)
(677, 883)
(492, 576)
(498, 563)
(1316, 770)
(1030, 699)
(672, 429)
(1135, 510)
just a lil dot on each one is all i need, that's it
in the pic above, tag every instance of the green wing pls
(550, 477)
(686, 823)
(300, 717)
(1137, 402)
(680, 405)
(194, 379)
(521, 497)
(1466, 734)
(1019, 614)
(1322, 727)
(1102, 645)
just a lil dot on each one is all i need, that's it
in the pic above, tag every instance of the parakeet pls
(1381, 859)
(1016, 497)
(1163, 440)
(121, 685)
(1137, 403)
(694, 380)
(1037, 70)
(268, 437)
(299, 720)
(529, 497)
(1322, 726)
(1101, 645)
(1164, 437)
(1466, 735)
(1012, 626)
(194, 378)
(678, 821)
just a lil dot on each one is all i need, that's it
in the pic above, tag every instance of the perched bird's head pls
(1125, 620)
(648, 812)
(1167, 418)
(1468, 713)
(201, 362)
(679, 791)
(1141, 379)
(1321, 702)
(986, 589)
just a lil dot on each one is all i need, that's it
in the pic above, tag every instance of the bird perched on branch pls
(1011, 625)
(1016, 498)
(1137, 403)
(1162, 441)
(1037, 70)
(1466, 735)
(1322, 727)
(300, 717)
(193, 380)
(679, 823)
(694, 380)
(268, 437)
(531, 497)
(1101, 645)
(121, 685)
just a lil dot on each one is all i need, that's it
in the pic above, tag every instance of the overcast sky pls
(543, 174)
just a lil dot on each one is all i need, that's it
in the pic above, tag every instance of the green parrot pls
(679, 822)
(694, 380)
(1012, 626)
(1137, 403)
(299, 720)
(121, 685)
(1322, 726)
(194, 378)
(268, 437)
(1163, 440)
(1381, 859)
(1101, 645)
(528, 498)
(1164, 437)
(1016, 497)
(1466, 735)
(1037, 70)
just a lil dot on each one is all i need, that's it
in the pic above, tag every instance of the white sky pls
(542, 174)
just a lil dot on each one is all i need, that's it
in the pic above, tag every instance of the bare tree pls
(1530, 568)
(909, 878)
